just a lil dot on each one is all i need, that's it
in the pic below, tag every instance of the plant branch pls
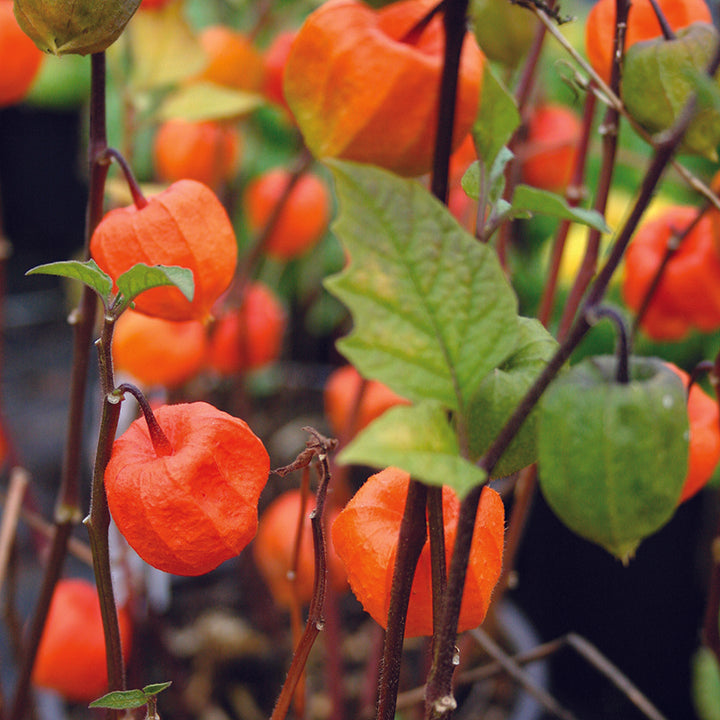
(609, 131)
(317, 447)
(440, 701)
(454, 22)
(67, 513)
(413, 534)
(98, 520)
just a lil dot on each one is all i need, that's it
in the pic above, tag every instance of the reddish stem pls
(139, 199)
(159, 439)
(673, 245)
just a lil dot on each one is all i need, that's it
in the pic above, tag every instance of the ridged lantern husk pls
(187, 512)
(74, 26)
(365, 536)
(184, 225)
(359, 91)
(613, 456)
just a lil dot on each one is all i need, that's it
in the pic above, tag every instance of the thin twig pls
(550, 704)
(19, 479)
(317, 447)
(575, 642)
(673, 245)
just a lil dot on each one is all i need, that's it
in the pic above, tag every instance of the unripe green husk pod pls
(659, 76)
(504, 31)
(80, 27)
(613, 456)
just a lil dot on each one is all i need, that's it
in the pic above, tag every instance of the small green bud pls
(74, 26)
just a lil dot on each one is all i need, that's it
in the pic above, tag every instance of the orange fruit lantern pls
(304, 216)
(249, 337)
(20, 59)
(233, 61)
(276, 57)
(71, 655)
(342, 399)
(688, 295)
(365, 535)
(158, 352)
(642, 25)
(548, 154)
(362, 89)
(184, 225)
(704, 448)
(204, 151)
(274, 546)
(187, 502)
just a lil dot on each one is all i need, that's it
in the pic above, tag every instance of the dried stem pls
(317, 447)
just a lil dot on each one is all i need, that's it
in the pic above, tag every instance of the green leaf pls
(156, 688)
(121, 700)
(87, 273)
(420, 440)
(203, 101)
(497, 118)
(499, 394)
(143, 277)
(706, 684)
(533, 200)
(432, 308)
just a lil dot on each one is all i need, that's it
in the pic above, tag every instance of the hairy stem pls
(413, 534)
